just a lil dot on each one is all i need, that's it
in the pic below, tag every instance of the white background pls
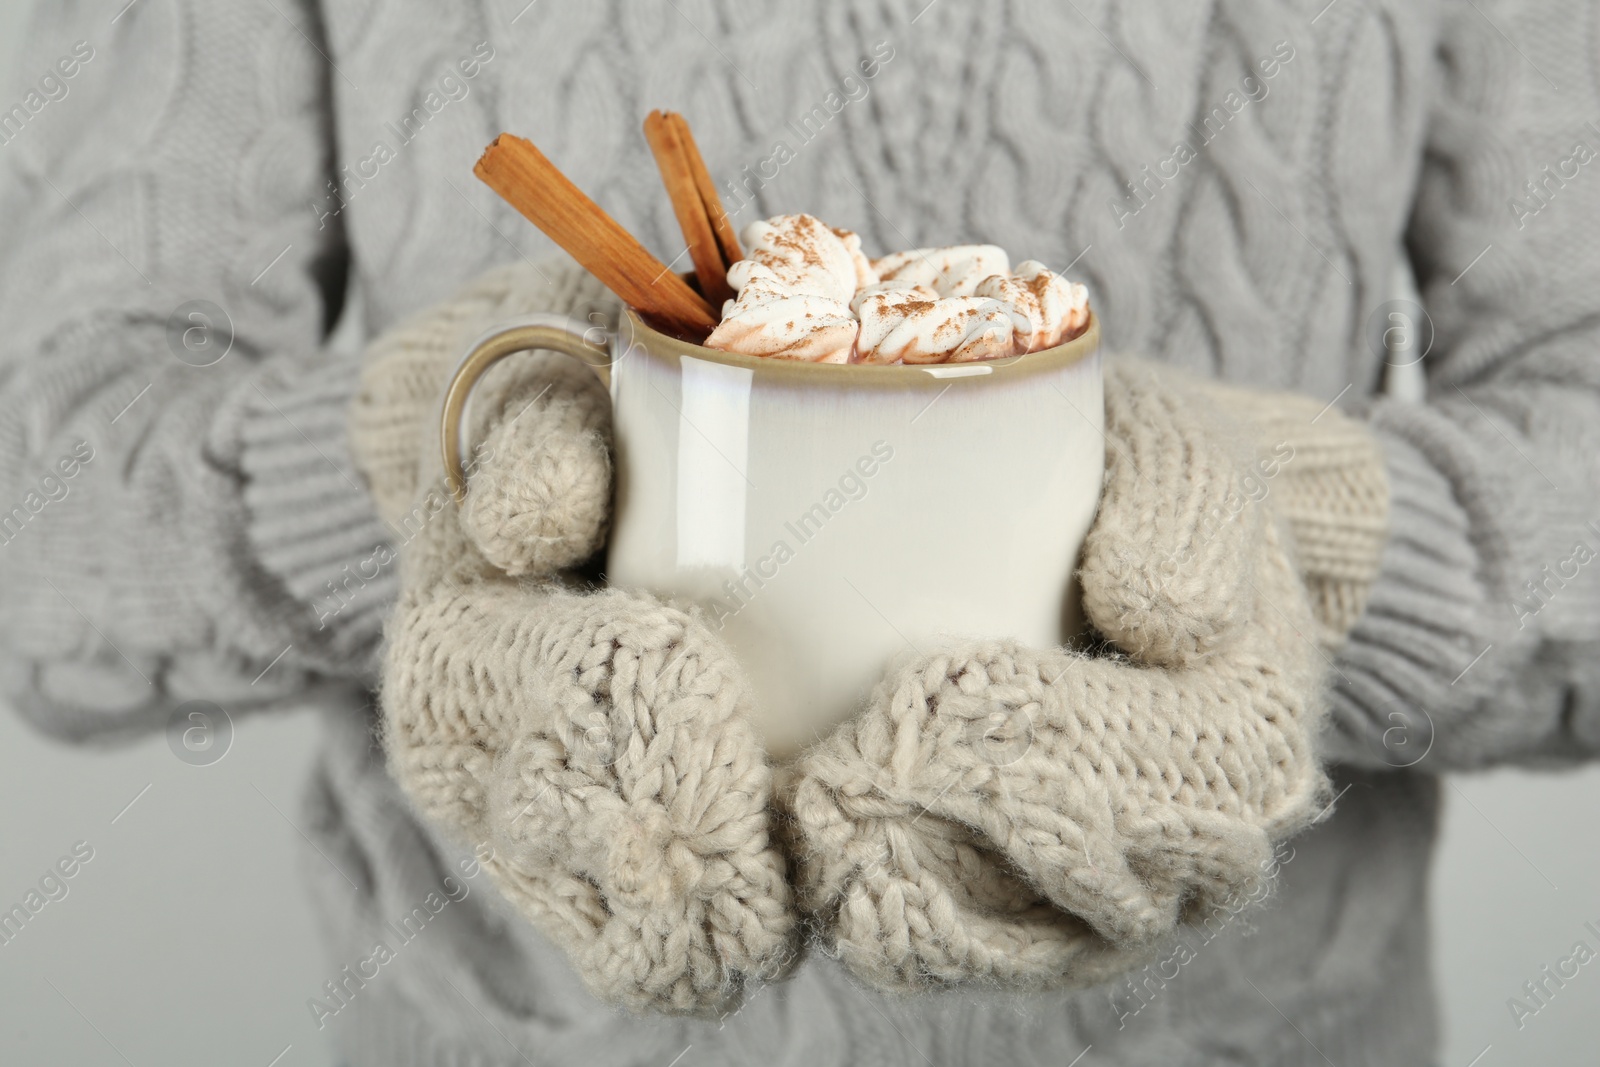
(188, 940)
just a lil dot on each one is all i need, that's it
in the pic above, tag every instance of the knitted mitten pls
(394, 421)
(1042, 818)
(598, 744)
(1325, 473)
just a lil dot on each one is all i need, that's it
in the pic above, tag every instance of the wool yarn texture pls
(1041, 818)
(1329, 481)
(599, 744)
(1023, 818)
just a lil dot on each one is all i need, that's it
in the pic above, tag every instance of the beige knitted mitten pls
(1326, 476)
(599, 744)
(1041, 818)
(394, 428)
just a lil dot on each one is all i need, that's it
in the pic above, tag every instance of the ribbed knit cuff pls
(1424, 623)
(311, 521)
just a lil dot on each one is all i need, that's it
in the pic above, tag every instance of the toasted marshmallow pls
(804, 254)
(952, 271)
(783, 325)
(904, 326)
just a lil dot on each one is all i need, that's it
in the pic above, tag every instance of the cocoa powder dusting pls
(802, 242)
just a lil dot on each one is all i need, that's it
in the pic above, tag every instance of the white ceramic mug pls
(827, 517)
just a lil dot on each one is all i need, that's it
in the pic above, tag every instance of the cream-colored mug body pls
(826, 518)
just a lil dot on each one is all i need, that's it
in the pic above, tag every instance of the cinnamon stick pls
(529, 182)
(721, 225)
(672, 160)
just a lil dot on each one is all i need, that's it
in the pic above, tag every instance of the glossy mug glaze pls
(828, 517)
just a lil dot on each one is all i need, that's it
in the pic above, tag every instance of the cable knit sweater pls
(1238, 182)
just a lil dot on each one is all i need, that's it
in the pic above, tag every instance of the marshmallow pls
(1020, 304)
(920, 291)
(768, 319)
(952, 271)
(865, 275)
(806, 292)
(904, 326)
(805, 255)
(1063, 305)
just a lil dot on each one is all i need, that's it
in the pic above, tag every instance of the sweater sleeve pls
(1481, 639)
(176, 498)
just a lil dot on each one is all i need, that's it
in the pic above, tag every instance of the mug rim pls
(799, 372)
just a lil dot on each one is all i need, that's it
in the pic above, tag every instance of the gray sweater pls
(193, 193)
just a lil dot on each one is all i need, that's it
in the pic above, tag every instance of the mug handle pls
(551, 333)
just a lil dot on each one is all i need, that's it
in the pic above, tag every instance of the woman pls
(213, 187)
